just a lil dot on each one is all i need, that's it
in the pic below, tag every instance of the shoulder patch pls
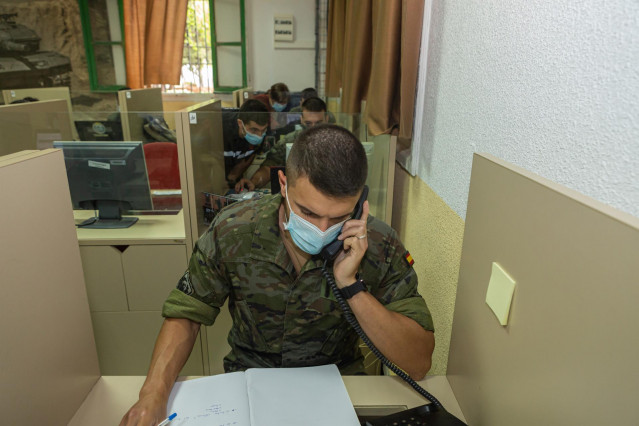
(185, 285)
(409, 258)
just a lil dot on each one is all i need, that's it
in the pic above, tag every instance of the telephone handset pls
(433, 413)
(330, 251)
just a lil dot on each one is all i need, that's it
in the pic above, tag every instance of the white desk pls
(150, 229)
(112, 396)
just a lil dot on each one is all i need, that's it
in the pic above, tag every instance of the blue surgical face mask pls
(278, 107)
(252, 138)
(307, 236)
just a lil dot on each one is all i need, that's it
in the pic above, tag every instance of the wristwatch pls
(351, 290)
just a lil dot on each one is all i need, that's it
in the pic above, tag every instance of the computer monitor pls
(110, 177)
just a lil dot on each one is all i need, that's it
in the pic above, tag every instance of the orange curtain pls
(373, 54)
(358, 44)
(154, 40)
(335, 47)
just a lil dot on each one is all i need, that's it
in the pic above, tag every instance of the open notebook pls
(264, 397)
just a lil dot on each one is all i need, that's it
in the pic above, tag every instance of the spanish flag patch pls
(409, 258)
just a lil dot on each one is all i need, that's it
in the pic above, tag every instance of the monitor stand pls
(109, 217)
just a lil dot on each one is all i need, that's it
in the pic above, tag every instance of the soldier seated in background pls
(308, 93)
(313, 113)
(244, 133)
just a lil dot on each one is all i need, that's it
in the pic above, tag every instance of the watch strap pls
(351, 290)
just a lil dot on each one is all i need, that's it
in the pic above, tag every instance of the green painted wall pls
(433, 233)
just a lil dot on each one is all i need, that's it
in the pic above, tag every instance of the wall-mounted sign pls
(283, 28)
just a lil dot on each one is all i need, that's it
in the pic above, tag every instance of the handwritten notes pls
(264, 397)
(211, 401)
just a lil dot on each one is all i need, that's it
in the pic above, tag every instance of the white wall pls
(549, 85)
(268, 65)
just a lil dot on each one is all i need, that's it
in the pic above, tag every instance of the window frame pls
(215, 44)
(89, 43)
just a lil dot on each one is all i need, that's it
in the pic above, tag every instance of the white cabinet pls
(104, 278)
(131, 278)
(128, 275)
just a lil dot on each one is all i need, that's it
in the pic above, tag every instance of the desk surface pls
(150, 229)
(112, 396)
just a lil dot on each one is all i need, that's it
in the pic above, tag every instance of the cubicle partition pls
(200, 128)
(174, 102)
(134, 105)
(33, 125)
(44, 94)
(241, 95)
(48, 357)
(380, 151)
(39, 93)
(568, 354)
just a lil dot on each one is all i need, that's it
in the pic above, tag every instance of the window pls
(103, 32)
(228, 40)
(214, 57)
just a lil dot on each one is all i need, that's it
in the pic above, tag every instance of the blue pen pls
(168, 419)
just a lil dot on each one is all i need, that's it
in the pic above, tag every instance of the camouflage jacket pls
(276, 156)
(281, 319)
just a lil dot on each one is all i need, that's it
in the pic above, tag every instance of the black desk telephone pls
(430, 414)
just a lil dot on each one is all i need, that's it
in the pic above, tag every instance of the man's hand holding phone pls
(354, 236)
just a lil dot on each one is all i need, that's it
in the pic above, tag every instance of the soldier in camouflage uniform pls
(261, 255)
(313, 113)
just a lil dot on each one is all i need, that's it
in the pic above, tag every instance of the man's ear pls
(282, 179)
(240, 127)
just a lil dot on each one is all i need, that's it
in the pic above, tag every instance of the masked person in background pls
(308, 93)
(244, 133)
(276, 100)
(313, 113)
(262, 255)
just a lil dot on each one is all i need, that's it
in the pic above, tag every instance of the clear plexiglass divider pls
(182, 162)
(217, 168)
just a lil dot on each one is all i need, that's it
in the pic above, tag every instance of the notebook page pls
(210, 401)
(309, 396)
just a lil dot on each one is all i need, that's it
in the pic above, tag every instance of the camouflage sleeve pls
(202, 290)
(276, 156)
(414, 308)
(398, 289)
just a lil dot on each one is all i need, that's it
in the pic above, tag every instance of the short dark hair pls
(279, 93)
(314, 105)
(254, 110)
(309, 92)
(331, 157)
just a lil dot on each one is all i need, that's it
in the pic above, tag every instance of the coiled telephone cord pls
(350, 317)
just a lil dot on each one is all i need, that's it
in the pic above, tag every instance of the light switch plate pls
(500, 291)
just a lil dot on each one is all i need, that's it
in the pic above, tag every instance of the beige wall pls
(432, 232)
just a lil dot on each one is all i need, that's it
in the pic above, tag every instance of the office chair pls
(162, 165)
(164, 174)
